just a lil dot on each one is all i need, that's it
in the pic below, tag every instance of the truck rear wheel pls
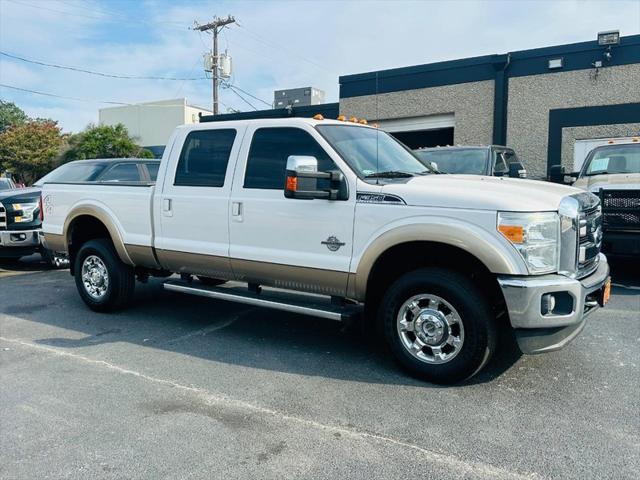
(103, 281)
(438, 325)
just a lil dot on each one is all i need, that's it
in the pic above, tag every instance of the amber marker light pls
(318, 116)
(292, 184)
(342, 118)
(513, 233)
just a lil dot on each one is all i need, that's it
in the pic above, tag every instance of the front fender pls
(492, 250)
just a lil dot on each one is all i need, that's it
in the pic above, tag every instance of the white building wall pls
(152, 123)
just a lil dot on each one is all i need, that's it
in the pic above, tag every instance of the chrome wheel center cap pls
(96, 277)
(430, 328)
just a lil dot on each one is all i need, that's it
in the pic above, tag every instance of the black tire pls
(210, 282)
(121, 278)
(479, 340)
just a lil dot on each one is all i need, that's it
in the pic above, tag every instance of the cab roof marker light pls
(342, 118)
(353, 119)
(318, 116)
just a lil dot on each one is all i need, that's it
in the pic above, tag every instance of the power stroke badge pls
(333, 243)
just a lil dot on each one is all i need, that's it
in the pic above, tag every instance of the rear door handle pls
(167, 207)
(236, 211)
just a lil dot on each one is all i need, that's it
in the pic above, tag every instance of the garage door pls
(412, 124)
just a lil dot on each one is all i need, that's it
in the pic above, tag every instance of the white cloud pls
(278, 45)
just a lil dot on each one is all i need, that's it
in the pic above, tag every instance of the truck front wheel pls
(438, 324)
(103, 281)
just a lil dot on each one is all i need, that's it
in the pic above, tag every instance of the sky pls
(274, 45)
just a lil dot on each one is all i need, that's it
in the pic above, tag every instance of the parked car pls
(438, 263)
(613, 173)
(6, 184)
(20, 224)
(492, 160)
(104, 170)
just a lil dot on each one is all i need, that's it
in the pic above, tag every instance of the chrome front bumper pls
(538, 331)
(20, 238)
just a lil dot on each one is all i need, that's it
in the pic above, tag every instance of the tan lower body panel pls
(314, 280)
(142, 256)
(195, 263)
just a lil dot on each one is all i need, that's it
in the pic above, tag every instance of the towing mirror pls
(558, 174)
(302, 180)
(516, 170)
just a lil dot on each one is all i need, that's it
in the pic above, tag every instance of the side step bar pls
(304, 304)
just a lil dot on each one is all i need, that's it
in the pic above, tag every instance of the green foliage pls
(30, 150)
(11, 115)
(104, 141)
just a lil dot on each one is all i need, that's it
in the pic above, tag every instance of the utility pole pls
(215, 26)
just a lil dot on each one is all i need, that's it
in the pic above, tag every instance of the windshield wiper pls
(390, 174)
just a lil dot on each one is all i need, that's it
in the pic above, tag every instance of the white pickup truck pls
(349, 219)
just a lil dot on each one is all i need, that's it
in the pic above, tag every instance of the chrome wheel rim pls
(95, 277)
(430, 329)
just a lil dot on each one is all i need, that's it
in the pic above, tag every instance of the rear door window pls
(204, 158)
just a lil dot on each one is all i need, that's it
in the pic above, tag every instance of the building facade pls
(152, 123)
(541, 102)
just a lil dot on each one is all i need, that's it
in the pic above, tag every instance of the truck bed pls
(129, 206)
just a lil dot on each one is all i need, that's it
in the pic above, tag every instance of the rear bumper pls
(539, 329)
(19, 242)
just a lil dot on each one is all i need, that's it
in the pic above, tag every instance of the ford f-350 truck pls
(349, 219)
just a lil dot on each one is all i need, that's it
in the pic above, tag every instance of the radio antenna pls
(377, 133)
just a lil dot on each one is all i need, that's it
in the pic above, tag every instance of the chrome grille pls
(3, 218)
(589, 239)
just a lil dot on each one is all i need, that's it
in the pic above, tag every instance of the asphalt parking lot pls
(184, 387)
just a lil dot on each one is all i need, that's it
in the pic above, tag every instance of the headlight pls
(535, 236)
(23, 212)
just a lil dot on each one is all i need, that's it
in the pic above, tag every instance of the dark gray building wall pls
(532, 97)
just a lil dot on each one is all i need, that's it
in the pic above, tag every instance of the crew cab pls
(339, 220)
(612, 172)
(492, 160)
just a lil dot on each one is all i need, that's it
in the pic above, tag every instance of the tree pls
(104, 141)
(30, 150)
(10, 115)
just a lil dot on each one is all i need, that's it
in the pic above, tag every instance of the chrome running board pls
(304, 304)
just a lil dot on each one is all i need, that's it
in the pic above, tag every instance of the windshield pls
(6, 184)
(614, 159)
(369, 151)
(471, 161)
(73, 172)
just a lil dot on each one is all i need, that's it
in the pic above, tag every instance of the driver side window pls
(270, 149)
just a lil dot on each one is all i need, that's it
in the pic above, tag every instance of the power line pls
(101, 74)
(241, 97)
(61, 96)
(87, 100)
(272, 44)
(230, 85)
(104, 15)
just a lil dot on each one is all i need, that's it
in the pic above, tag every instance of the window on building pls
(204, 158)
(270, 149)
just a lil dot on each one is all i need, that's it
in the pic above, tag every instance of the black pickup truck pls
(491, 160)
